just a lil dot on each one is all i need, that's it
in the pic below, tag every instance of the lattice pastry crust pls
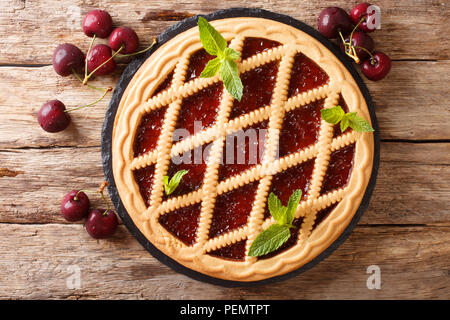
(138, 99)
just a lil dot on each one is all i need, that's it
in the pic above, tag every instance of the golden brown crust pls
(137, 100)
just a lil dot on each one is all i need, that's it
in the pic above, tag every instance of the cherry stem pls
(349, 49)
(364, 49)
(86, 78)
(87, 55)
(100, 190)
(83, 190)
(88, 85)
(139, 52)
(92, 103)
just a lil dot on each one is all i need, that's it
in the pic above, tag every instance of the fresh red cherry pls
(97, 22)
(75, 206)
(360, 39)
(52, 116)
(126, 37)
(332, 20)
(97, 56)
(360, 11)
(66, 58)
(101, 224)
(376, 68)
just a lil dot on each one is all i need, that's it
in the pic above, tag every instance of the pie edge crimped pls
(349, 197)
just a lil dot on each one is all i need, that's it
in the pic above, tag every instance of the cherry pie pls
(209, 222)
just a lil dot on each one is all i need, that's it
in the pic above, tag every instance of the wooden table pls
(405, 231)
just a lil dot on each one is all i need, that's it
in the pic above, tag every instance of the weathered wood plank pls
(401, 99)
(413, 263)
(412, 183)
(413, 31)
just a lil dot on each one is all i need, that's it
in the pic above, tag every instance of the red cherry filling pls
(297, 177)
(197, 63)
(232, 209)
(243, 150)
(201, 107)
(182, 223)
(195, 162)
(144, 179)
(235, 251)
(306, 75)
(253, 46)
(301, 128)
(148, 131)
(165, 84)
(323, 214)
(258, 89)
(339, 169)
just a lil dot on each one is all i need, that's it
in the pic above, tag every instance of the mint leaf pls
(229, 74)
(211, 39)
(332, 115)
(269, 240)
(211, 68)
(336, 114)
(276, 209)
(344, 124)
(292, 205)
(358, 123)
(170, 186)
(225, 63)
(231, 53)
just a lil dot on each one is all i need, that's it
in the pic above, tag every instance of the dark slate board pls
(127, 75)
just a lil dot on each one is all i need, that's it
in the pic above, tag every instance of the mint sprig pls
(170, 186)
(277, 234)
(225, 61)
(336, 114)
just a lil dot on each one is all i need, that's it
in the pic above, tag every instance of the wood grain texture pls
(405, 230)
(400, 100)
(410, 259)
(417, 30)
(409, 183)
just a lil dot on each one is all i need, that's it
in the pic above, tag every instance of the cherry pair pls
(335, 23)
(100, 223)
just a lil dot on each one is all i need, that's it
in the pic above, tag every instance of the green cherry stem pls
(368, 52)
(88, 85)
(349, 49)
(87, 55)
(139, 52)
(86, 78)
(92, 103)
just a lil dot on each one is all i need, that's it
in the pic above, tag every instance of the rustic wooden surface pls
(405, 231)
